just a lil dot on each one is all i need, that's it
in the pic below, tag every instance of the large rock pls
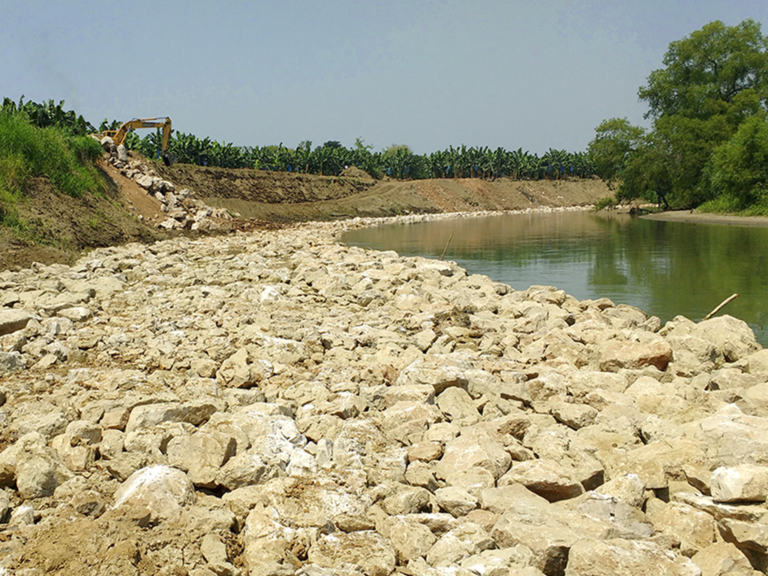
(13, 320)
(626, 557)
(722, 559)
(441, 372)
(732, 438)
(476, 448)
(745, 483)
(201, 455)
(627, 354)
(411, 539)
(366, 549)
(694, 529)
(162, 490)
(461, 542)
(543, 477)
(732, 337)
(547, 529)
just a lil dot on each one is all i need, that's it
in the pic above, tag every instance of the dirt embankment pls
(59, 228)
(288, 197)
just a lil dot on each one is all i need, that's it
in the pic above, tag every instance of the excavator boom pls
(118, 136)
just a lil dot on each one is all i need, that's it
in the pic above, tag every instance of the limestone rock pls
(745, 483)
(366, 549)
(616, 355)
(543, 477)
(13, 320)
(722, 559)
(630, 557)
(163, 490)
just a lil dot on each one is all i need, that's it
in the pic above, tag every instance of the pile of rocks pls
(183, 210)
(275, 403)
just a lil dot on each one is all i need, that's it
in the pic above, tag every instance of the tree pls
(739, 168)
(615, 140)
(713, 81)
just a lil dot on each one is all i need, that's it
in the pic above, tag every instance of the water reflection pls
(665, 268)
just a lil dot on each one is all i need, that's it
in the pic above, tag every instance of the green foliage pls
(713, 81)
(615, 140)
(739, 168)
(48, 114)
(27, 150)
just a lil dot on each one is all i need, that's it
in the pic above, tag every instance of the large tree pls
(712, 81)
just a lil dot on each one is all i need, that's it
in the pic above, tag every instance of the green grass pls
(605, 203)
(27, 151)
(728, 205)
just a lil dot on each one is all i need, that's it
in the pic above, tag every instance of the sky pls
(534, 74)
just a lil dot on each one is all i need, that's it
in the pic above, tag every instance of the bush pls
(66, 160)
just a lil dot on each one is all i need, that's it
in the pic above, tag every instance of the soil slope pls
(285, 197)
(59, 228)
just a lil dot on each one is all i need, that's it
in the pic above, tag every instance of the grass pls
(27, 151)
(605, 203)
(729, 205)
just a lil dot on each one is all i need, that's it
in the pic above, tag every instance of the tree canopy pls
(713, 81)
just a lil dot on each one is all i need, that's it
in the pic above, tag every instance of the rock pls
(456, 501)
(548, 530)
(628, 489)
(11, 362)
(238, 371)
(745, 483)
(721, 559)
(543, 477)
(731, 438)
(629, 522)
(478, 449)
(616, 355)
(465, 540)
(732, 337)
(410, 539)
(163, 490)
(13, 320)
(630, 557)
(512, 560)
(201, 455)
(366, 549)
(440, 373)
(693, 528)
(36, 473)
(456, 404)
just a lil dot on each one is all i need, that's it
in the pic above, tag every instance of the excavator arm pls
(118, 136)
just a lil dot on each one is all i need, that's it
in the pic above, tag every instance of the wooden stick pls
(723, 303)
(442, 256)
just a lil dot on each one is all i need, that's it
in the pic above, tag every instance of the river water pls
(663, 268)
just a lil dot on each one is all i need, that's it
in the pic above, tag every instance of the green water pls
(664, 268)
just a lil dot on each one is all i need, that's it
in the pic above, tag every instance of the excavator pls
(118, 136)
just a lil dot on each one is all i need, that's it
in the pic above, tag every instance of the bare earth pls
(60, 229)
(699, 218)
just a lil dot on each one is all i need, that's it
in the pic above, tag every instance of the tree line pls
(331, 157)
(707, 145)
(397, 161)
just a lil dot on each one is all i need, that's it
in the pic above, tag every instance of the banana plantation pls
(330, 158)
(397, 162)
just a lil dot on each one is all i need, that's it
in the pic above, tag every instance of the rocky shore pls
(275, 403)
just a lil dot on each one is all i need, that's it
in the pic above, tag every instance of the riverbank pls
(273, 402)
(49, 227)
(690, 217)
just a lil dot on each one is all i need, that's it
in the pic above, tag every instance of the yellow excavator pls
(118, 136)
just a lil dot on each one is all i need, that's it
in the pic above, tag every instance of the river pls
(663, 268)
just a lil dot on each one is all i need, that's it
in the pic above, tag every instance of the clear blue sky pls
(428, 73)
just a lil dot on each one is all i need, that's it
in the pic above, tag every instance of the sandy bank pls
(699, 218)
